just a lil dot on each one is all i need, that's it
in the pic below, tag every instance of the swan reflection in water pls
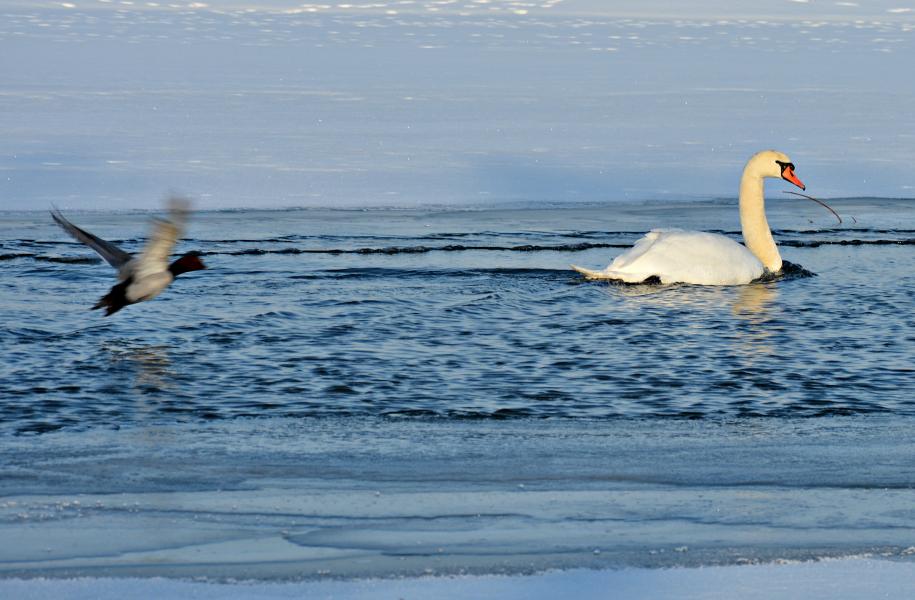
(755, 307)
(754, 302)
(751, 309)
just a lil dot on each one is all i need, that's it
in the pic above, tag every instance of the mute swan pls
(144, 277)
(676, 256)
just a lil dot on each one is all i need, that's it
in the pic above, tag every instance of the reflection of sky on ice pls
(430, 101)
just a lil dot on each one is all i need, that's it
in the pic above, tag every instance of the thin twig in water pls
(820, 202)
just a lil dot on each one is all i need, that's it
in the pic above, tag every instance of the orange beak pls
(788, 175)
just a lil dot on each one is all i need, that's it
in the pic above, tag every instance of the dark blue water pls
(456, 314)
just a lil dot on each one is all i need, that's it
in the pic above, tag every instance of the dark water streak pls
(813, 239)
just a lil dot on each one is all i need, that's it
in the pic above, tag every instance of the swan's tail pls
(622, 276)
(589, 274)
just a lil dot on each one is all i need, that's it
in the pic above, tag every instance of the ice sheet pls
(272, 498)
(825, 580)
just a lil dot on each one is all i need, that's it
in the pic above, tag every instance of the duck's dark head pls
(189, 262)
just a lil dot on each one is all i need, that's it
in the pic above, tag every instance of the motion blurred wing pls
(113, 255)
(165, 234)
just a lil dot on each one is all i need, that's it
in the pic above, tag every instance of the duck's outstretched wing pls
(113, 255)
(165, 234)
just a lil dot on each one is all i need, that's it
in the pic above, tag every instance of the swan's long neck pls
(756, 233)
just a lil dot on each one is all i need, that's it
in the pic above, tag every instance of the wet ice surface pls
(362, 497)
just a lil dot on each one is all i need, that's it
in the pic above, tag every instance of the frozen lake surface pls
(109, 104)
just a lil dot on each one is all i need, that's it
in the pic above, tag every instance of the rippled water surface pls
(456, 314)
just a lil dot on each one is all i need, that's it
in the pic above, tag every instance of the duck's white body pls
(676, 256)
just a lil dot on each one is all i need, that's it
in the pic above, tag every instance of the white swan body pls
(676, 256)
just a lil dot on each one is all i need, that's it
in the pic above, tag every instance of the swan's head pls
(771, 163)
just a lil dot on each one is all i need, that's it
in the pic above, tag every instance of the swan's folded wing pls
(165, 234)
(113, 255)
(624, 267)
(643, 246)
(697, 257)
(677, 256)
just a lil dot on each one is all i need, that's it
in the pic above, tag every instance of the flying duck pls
(140, 277)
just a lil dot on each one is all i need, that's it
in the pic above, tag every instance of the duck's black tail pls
(114, 300)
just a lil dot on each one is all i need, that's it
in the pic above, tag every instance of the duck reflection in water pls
(150, 364)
